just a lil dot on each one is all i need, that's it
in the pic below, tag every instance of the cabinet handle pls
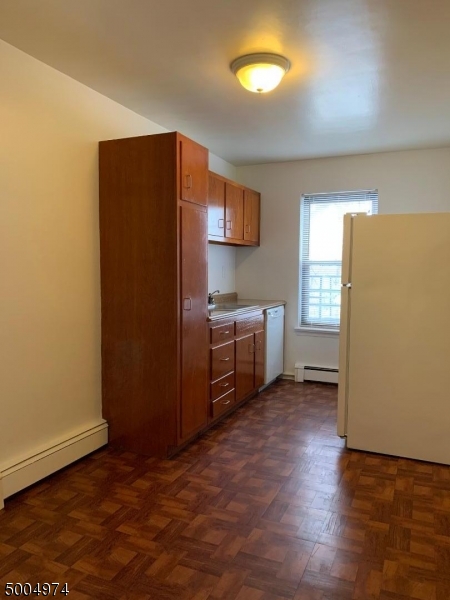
(188, 182)
(247, 229)
(224, 384)
(225, 359)
(251, 348)
(187, 304)
(225, 401)
(224, 332)
(219, 225)
(258, 346)
(229, 225)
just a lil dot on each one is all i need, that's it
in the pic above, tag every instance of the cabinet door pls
(234, 212)
(216, 207)
(194, 330)
(251, 216)
(245, 366)
(193, 172)
(259, 358)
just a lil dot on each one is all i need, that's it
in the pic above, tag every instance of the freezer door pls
(399, 344)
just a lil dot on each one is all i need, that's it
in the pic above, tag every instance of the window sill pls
(316, 332)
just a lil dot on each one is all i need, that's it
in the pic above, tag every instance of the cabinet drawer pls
(222, 404)
(222, 360)
(221, 333)
(220, 387)
(250, 325)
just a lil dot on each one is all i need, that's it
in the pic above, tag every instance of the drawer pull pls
(224, 384)
(224, 332)
(225, 402)
(225, 359)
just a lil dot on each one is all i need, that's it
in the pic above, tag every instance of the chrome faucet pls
(210, 296)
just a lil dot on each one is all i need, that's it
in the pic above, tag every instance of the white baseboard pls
(30, 470)
(282, 376)
(313, 373)
(289, 376)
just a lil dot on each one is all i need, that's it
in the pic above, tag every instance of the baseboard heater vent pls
(309, 373)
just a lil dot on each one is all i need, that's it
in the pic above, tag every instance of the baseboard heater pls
(309, 373)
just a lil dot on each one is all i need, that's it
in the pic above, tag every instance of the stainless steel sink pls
(229, 307)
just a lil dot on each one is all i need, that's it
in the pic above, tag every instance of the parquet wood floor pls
(268, 505)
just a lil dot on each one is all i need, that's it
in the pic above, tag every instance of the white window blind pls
(321, 236)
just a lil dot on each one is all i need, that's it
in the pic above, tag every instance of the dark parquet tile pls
(268, 505)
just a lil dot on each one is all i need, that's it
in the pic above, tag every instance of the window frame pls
(327, 329)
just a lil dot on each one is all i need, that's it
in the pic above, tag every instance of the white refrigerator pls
(394, 347)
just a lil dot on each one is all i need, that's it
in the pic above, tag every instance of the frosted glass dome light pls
(260, 73)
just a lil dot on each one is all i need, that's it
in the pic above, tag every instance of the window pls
(321, 236)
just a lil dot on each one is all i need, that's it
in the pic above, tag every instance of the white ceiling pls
(367, 75)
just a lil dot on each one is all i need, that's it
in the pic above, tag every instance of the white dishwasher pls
(274, 318)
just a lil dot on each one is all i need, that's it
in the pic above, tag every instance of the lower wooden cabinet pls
(259, 358)
(249, 357)
(245, 366)
(237, 365)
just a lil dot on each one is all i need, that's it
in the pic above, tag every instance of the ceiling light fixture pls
(260, 73)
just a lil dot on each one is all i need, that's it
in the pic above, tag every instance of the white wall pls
(222, 167)
(221, 268)
(49, 251)
(412, 181)
(221, 259)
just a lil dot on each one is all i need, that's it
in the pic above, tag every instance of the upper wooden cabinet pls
(193, 166)
(216, 207)
(251, 216)
(233, 213)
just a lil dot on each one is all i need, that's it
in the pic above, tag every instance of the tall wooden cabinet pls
(153, 240)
